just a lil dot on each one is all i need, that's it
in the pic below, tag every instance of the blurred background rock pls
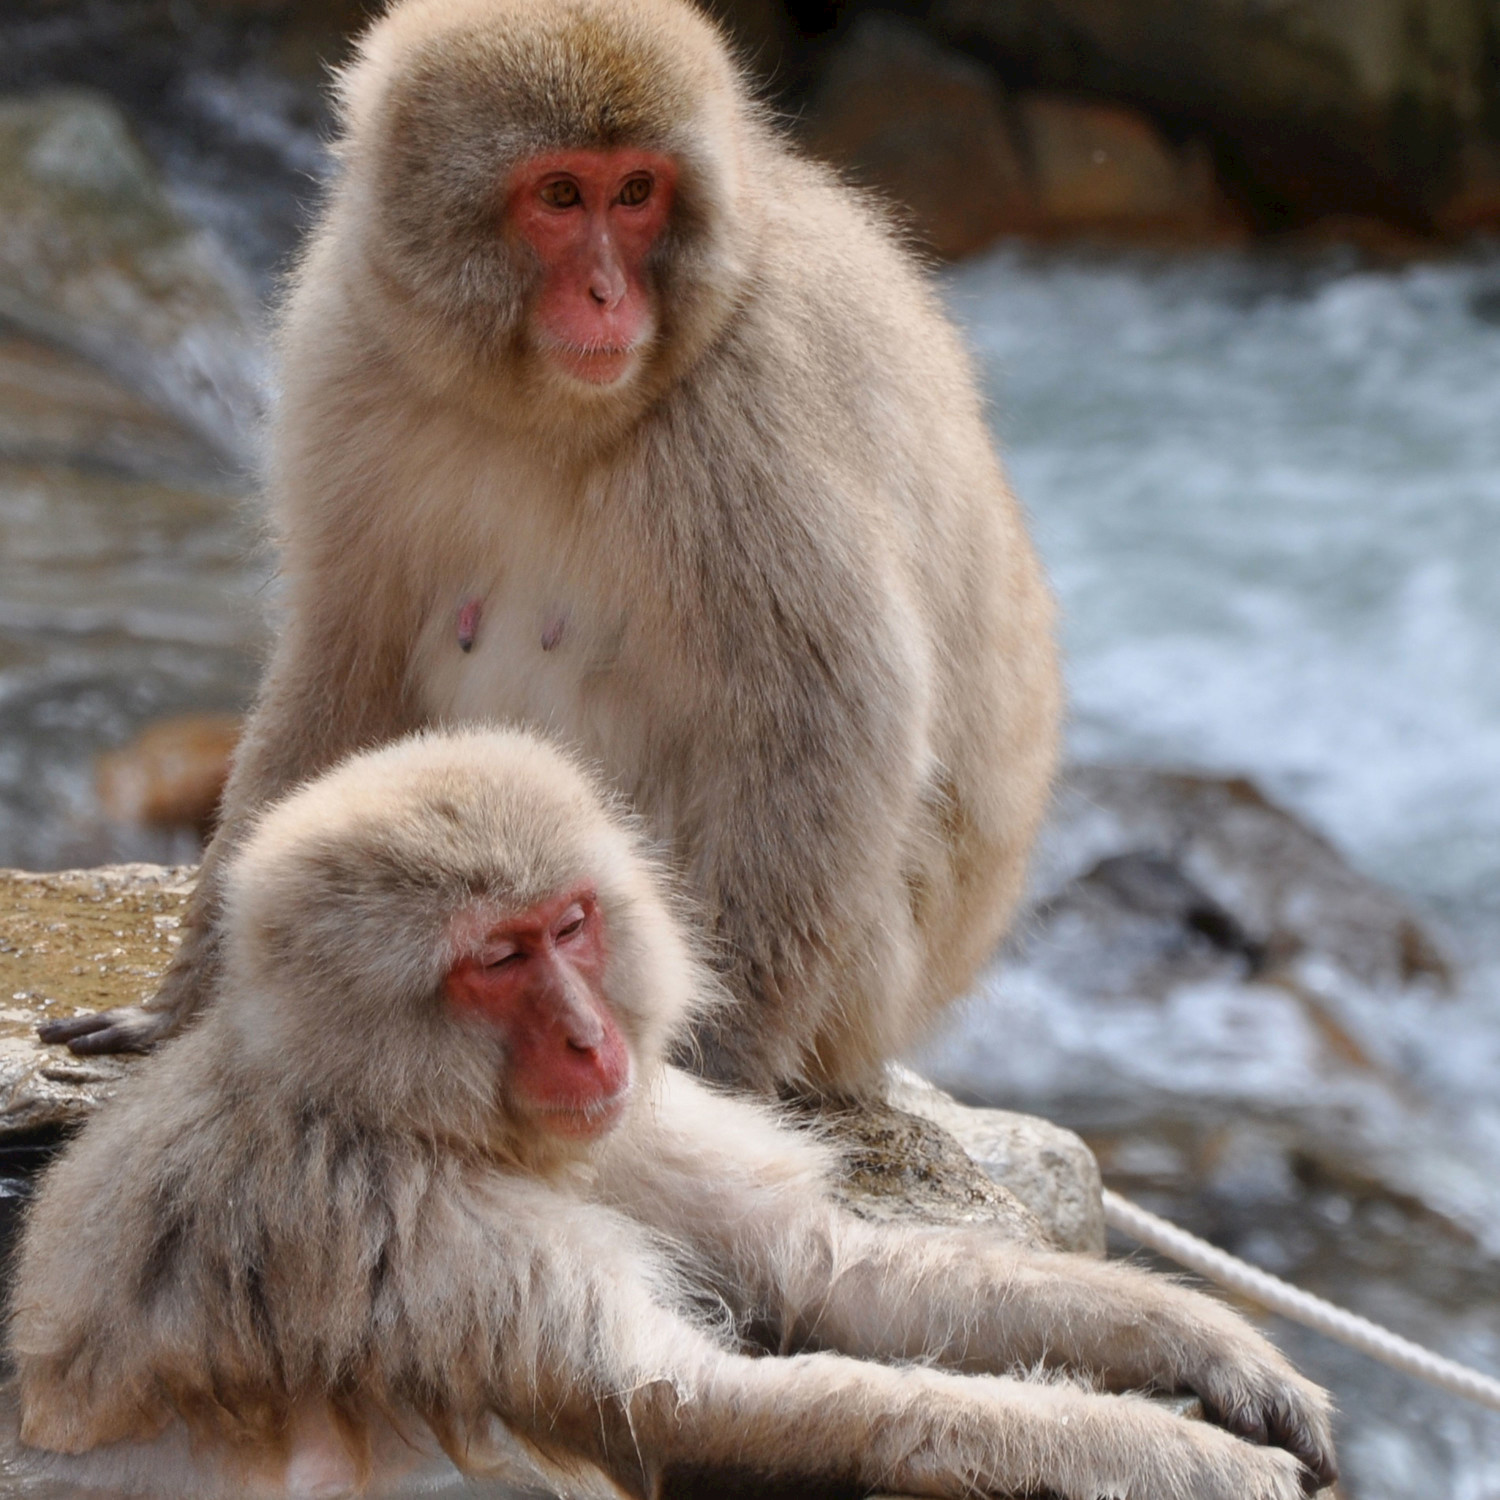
(1227, 267)
(1179, 120)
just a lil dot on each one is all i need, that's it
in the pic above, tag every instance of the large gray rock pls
(94, 256)
(87, 939)
(1048, 1169)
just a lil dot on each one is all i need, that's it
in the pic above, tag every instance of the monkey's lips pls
(586, 1120)
(594, 364)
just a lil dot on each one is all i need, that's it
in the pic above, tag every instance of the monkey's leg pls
(299, 727)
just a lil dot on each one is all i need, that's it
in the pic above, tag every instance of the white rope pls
(1301, 1307)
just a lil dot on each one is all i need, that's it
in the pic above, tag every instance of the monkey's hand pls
(126, 1028)
(1128, 1449)
(1127, 1328)
(927, 1432)
(1248, 1387)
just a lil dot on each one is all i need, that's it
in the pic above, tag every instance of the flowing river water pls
(1268, 492)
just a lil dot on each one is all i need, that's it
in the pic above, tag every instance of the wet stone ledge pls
(88, 939)
(69, 941)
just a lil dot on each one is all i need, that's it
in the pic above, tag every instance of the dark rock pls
(1215, 861)
(930, 128)
(935, 131)
(1316, 107)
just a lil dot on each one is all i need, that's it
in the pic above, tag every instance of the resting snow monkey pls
(604, 413)
(422, 1164)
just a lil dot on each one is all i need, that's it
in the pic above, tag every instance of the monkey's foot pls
(127, 1028)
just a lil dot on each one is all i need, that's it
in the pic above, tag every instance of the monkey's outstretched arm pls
(667, 1411)
(974, 1303)
(330, 689)
(750, 1197)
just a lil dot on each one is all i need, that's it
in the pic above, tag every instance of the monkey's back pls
(857, 509)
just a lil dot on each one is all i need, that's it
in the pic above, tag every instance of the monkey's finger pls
(125, 1029)
(65, 1031)
(1244, 1416)
(1285, 1422)
(1315, 1450)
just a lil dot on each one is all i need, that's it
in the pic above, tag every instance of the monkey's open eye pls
(635, 191)
(561, 192)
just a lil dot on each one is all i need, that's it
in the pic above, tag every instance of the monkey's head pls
(456, 935)
(548, 191)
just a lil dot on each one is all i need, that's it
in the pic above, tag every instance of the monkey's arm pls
(974, 1303)
(330, 689)
(612, 1372)
(750, 1197)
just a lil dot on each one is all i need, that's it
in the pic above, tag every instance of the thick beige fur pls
(793, 611)
(313, 1222)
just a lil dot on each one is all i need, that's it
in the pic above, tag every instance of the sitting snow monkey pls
(421, 1171)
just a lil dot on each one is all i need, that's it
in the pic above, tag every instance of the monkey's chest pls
(531, 648)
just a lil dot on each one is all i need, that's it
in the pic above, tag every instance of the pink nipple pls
(468, 623)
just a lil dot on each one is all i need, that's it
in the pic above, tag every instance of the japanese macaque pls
(422, 1170)
(602, 412)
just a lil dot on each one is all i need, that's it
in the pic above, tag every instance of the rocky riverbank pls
(1195, 122)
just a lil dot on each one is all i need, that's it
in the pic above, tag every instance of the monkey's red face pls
(538, 978)
(592, 217)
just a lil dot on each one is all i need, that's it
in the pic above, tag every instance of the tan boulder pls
(171, 774)
(88, 939)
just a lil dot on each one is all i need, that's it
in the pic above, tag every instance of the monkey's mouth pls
(597, 363)
(587, 1119)
(601, 364)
